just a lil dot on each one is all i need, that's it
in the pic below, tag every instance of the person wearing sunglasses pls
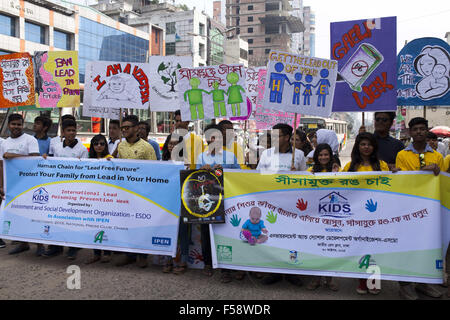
(133, 147)
(419, 156)
(99, 150)
(388, 147)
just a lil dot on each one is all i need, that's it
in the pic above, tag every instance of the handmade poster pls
(424, 73)
(164, 93)
(16, 80)
(251, 90)
(265, 118)
(118, 205)
(300, 84)
(101, 112)
(202, 196)
(115, 85)
(366, 52)
(56, 79)
(341, 224)
(212, 92)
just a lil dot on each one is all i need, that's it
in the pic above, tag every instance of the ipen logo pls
(157, 241)
(40, 196)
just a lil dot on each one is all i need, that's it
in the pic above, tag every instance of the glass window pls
(201, 29)
(250, 41)
(61, 40)
(250, 19)
(250, 8)
(7, 25)
(250, 52)
(34, 32)
(170, 28)
(250, 30)
(170, 48)
(267, 40)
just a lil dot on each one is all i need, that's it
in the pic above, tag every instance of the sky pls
(415, 18)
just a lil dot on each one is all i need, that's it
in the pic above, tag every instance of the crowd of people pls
(316, 151)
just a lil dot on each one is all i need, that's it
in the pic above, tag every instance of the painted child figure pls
(253, 228)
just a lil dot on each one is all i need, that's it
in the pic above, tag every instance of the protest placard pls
(212, 92)
(56, 79)
(366, 52)
(16, 80)
(300, 84)
(424, 73)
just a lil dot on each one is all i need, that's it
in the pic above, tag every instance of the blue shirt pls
(155, 146)
(44, 145)
(255, 229)
(226, 159)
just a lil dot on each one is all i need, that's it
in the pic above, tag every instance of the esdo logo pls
(40, 196)
(334, 205)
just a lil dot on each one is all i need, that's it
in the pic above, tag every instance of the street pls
(25, 276)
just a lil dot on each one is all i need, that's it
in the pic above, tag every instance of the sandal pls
(180, 269)
(167, 268)
(208, 271)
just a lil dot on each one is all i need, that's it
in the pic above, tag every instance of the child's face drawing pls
(255, 216)
(438, 71)
(116, 85)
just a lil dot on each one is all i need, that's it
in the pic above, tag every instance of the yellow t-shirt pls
(408, 160)
(383, 166)
(446, 164)
(140, 150)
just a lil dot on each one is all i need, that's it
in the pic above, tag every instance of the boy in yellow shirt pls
(419, 156)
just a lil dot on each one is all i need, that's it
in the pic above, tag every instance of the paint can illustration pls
(361, 65)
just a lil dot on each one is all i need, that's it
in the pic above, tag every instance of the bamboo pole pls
(295, 139)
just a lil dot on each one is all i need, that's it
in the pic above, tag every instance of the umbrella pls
(441, 131)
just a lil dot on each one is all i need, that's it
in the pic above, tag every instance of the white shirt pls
(78, 151)
(53, 142)
(275, 161)
(24, 145)
(113, 145)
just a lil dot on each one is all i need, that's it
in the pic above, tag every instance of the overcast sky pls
(415, 18)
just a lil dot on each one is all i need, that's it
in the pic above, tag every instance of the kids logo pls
(334, 205)
(40, 196)
(46, 233)
(293, 257)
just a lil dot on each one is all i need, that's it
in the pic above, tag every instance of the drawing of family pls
(276, 86)
(195, 97)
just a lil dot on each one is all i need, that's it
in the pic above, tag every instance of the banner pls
(265, 118)
(115, 85)
(212, 92)
(202, 196)
(119, 205)
(424, 73)
(300, 84)
(366, 51)
(56, 79)
(164, 93)
(16, 80)
(341, 224)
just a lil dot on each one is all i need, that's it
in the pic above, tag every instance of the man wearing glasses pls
(419, 156)
(388, 147)
(135, 148)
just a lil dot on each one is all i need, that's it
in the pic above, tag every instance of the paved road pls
(25, 276)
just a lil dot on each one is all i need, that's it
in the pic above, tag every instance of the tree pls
(168, 73)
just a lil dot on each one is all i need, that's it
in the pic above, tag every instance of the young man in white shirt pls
(69, 148)
(19, 144)
(58, 139)
(280, 159)
(115, 135)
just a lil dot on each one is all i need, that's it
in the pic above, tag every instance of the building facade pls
(264, 25)
(39, 25)
(309, 35)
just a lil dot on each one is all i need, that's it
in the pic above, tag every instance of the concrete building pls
(264, 25)
(309, 35)
(236, 51)
(39, 25)
(185, 31)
